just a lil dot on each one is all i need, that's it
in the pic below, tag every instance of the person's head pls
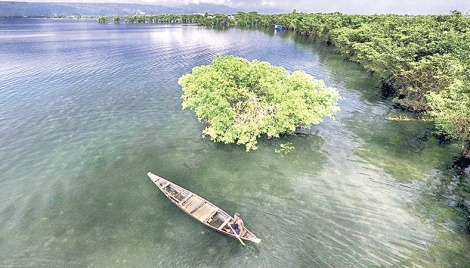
(236, 215)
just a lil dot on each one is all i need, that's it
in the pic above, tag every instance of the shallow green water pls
(86, 110)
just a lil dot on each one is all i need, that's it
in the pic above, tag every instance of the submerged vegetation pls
(242, 100)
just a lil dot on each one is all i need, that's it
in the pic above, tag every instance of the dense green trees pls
(241, 100)
(163, 18)
(207, 20)
(451, 111)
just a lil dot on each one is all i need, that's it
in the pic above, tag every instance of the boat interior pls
(198, 207)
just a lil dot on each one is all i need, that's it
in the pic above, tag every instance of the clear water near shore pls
(86, 110)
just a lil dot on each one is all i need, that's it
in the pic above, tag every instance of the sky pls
(412, 7)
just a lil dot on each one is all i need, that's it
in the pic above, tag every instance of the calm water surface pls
(86, 110)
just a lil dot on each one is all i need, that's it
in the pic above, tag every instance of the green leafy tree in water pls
(241, 100)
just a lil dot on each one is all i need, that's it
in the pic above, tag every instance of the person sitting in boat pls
(237, 224)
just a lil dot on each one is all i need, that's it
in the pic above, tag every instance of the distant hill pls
(29, 9)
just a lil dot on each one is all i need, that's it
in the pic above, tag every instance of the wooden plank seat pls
(204, 211)
(223, 224)
(177, 196)
(192, 203)
(211, 216)
(186, 199)
(197, 207)
(166, 184)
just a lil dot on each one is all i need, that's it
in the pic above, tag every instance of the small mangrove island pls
(242, 100)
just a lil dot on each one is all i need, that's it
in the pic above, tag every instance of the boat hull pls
(199, 208)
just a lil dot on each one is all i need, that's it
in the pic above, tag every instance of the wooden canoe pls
(199, 208)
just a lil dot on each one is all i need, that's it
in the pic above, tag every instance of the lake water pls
(86, 110)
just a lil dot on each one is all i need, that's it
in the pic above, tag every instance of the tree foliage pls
(452, 113)
(241, 100)
(206, 19)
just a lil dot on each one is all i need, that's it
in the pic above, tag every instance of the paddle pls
(236, 235)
